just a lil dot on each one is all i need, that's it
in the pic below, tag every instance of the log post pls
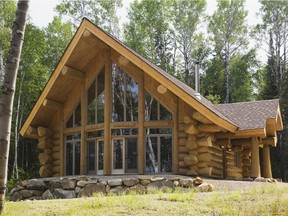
(266, 162)
(255, 163)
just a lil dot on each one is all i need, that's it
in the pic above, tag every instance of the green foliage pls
(100, 12)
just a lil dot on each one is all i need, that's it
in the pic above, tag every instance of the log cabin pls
(107, 110)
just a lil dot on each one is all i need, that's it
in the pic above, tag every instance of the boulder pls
(145, 182)
(47, 195)
(54, 184)
(16, 197)
(260, 179)
(68, 184)
(82, 183)
(115, 182)
(64, 194)
(154, 186)
(197, 181)
(144, 177)
(186, 182)
(17, 188)
(77, 189)
(103, 182)
(157, 179)
(139, 189)
(205, 187)
(174, 178)
(130, 182)
(117, 190)
(83, 178)
(26, 193)
(24, 183)
(37, 193)
(176, 183)
(89, 189)
(36, 184)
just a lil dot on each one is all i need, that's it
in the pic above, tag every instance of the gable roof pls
(81, 51)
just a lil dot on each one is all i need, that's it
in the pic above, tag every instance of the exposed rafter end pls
(52, 104)
(71, 72)
(161, 89)
(269, 141)
(32, 132)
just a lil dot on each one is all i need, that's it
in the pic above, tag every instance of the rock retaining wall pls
(83, 186)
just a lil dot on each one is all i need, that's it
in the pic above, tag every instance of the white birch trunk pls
(8, 91)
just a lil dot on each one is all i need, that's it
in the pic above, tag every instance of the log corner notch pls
(71, 72)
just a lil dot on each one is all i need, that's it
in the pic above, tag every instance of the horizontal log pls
(183, 149)
(55, 163)
(202, 165)
(182, 135)
(56, 149)
(222, 142)
(182, 171)
(182, 142)
(203, 149)
(207, 171)
(234, 175)
(215, 159)
(56, 175)
(211, 128)
(181, 156)
(44, 143)
(237, 148)
(234, 169)
(48, 151)
(192, 129)
(217, 172)
(205, 141)
(204, 157)
(182, 127)
(191, 173)
(52, 104)
(71, 72)
(195, 168)
(56, 155)
(191, 144)
(45, 171)
(187, 120)
(246, 174)
(56, 169)
(215, 164)
(193, 152)
(44, 158)
(31, 131)
(199, 117)
(190, 160)
(44, 132)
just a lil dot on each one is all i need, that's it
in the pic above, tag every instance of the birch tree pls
(229, 34)
(8, 90)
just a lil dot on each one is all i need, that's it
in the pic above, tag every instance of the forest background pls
(173, 34)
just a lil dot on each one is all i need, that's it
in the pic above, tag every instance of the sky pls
(42, 11)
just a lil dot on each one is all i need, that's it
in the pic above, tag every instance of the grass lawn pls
(268, 199)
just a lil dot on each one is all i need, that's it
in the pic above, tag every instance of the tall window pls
(95, 104)
(125, 96)
(95, 149)
(154, 111)
(75, 117)
(72, 154)
(158, 150)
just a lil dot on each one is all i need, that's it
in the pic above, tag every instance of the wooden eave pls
(104, 41)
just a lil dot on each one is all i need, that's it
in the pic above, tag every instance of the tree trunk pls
(8, 90)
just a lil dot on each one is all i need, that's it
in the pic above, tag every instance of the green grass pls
(269, 199)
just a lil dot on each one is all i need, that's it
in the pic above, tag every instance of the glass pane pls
(127, 131)
(69, 158)
(118, 83)
(100, 96)
(166, 154)
(77, 116)
(77, 158)
(151, 108)
(151, 155)
(131, 99)
(93, 134)
(69, 123)
(91, 155)
(165, 114)
(100, 155)
(91, 104)
(159, 131)
(117, 154)
(131, 155)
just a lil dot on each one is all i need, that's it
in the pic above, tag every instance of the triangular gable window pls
(154, 111)
(75, 118)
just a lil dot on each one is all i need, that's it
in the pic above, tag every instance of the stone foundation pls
(84, 186)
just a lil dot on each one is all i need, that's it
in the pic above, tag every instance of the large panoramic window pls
(154, 111)
(158, 150)
(125, 96)
(72, 154)
(75, 118)
(95, 104)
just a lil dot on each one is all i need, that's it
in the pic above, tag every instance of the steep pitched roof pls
(250, 115)
(80, 52)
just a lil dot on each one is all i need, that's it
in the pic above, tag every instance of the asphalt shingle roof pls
(250, 115)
